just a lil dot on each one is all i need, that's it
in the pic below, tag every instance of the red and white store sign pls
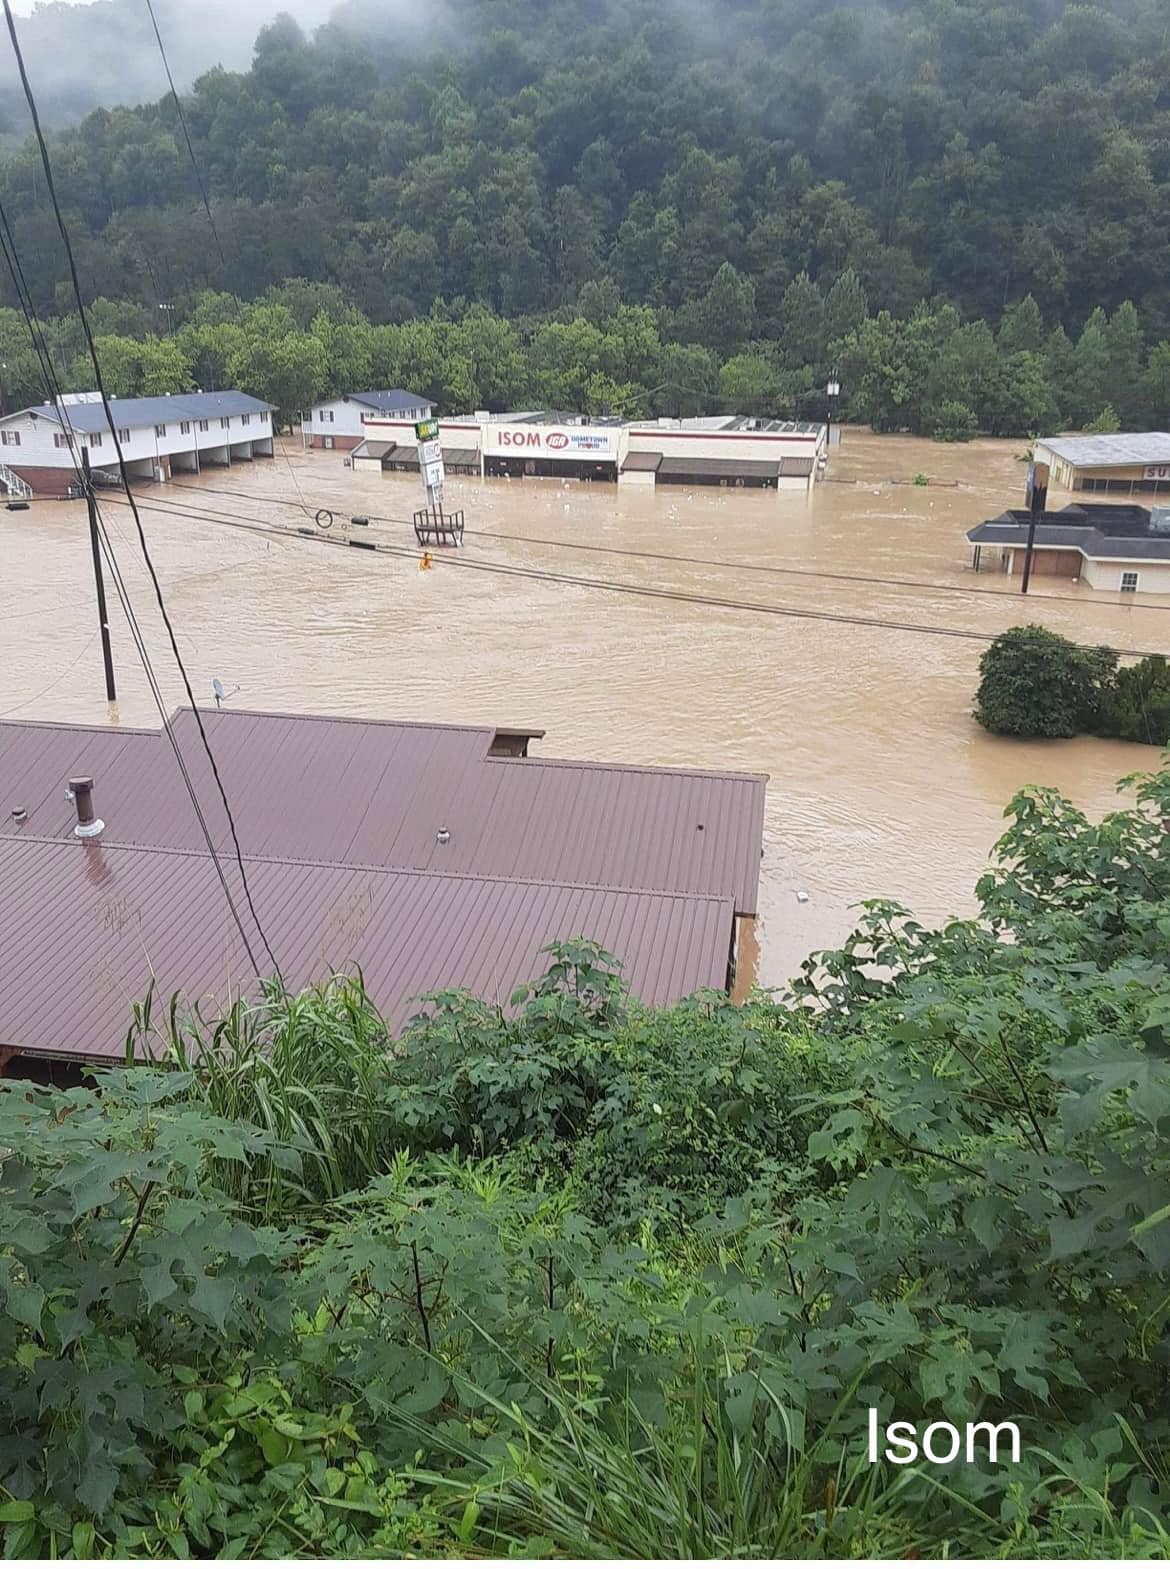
(545, 441)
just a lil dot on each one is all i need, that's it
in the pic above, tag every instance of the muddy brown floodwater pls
(881, 784)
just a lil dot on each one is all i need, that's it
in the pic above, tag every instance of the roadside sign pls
(430, 452)
(426, 430)
(432, 475)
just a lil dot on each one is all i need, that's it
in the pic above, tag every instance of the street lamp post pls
(168, 316)
(832, 391)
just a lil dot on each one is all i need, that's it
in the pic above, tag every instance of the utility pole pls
(1037, 497)
(103, 617)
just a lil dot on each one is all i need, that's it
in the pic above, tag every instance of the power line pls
(186, 135)
(202, 184)
(88, 334)
(265, 527)
(767, 568)
(54, 396)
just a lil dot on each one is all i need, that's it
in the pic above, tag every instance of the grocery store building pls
(727, 450)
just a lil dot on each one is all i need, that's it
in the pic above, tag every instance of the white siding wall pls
(340, 417)
(1153, 576)
(751, 446)
(139, 442)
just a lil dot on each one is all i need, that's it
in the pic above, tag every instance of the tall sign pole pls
(430, 464)
(1037, 498)
(103, 617)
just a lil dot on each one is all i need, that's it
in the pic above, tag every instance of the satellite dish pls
(217, 688)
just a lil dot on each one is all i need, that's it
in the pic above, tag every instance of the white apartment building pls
(341, 422)
(40, 448)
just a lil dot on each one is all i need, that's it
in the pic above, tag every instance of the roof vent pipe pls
(87, 826)
(443, 836)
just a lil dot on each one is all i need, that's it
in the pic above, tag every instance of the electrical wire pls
(265, 527)
(763, 567)
(203, 192)
(63, 229)
(186, 135)
(54, 396)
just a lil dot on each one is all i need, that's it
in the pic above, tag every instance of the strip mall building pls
(727, 450)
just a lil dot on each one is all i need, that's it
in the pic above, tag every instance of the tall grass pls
(600, 1480)
(311, 1070)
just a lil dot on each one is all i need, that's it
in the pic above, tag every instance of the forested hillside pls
(766, 176)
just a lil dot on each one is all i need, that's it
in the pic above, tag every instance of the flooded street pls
(880, 784)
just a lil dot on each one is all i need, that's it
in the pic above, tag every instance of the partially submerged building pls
(1129, 464)
(1111, 546)
(431, 856)
(341, 422)
(40, 448)
(726, 450)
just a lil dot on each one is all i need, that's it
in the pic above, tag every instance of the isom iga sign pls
(535, 441)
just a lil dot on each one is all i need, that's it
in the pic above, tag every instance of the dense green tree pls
(162, 368)
(722, 320)
(846, 307)
(1092, 369)
(1136, 703)
(1021, 327)
(120, 359)
(1018, 397)
(1107, 423)
(1156, 388)
(287, 369)
(802, 327)
(689, 378)
(750, 384)
(955, 422)
(1124, 346)
(1034, 682)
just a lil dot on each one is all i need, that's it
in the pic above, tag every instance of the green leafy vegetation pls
(1036, 683)
(580, 1278)
(649, 209)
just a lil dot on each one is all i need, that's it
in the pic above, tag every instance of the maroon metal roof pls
(338, 820)
(87, 925)
(376, 793)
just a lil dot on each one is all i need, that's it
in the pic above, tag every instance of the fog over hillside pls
(103, 53)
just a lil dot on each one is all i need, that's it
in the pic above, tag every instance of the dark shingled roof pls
(394, 400)
(339, 818)
(641, 462)
(1099, 530)
(371, 449)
